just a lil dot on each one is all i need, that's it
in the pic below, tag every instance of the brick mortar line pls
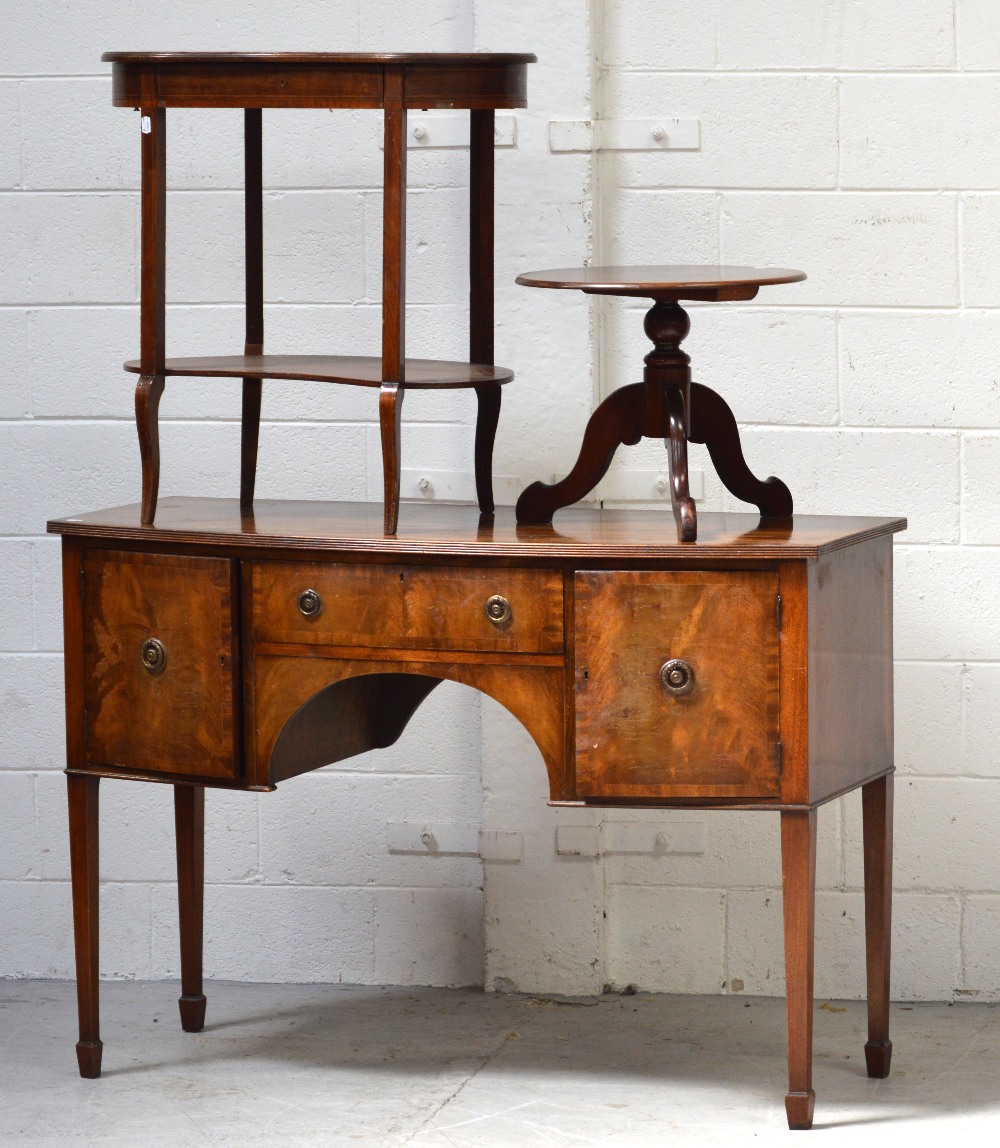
(836, 189)
(360, 303)
(251, 884)
(219, 420)
(935, 71)
(929, 71)
(291, 305)
(915, 309)
(927, 430)
(269, 192)
(833, 189)
(770, 890)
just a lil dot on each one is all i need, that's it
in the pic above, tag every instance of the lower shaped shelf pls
(355, 370)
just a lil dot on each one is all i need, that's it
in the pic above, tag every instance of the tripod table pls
(666, 404)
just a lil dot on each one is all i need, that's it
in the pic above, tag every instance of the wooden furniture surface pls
(666, 404)
(654, 281)
(232, 647)
(356, 370)
(480, 80)
(395, 83)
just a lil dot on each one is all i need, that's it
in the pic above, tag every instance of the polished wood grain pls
(487, 421)
(426, 532)
(284, 687)
(876, 809)
(850, 667)
(73, 653)
(443, 60)
(189, 825)
(662, 280)
(408, 608)
(249, 439)
(633, 739)
(253, 226)
(482, 80)
(798, 890)
(152, 301)
(666, 405)
(795, 696)
(712, 422)
(183, 719)
(390, 400)
(348, 717)
(253, 167)
(482, 130)
(618, 421)
(394, 232)
(354, 370)
(148, 392)
(677, 401)
(153, 204)
(84, 864)
(390, 415)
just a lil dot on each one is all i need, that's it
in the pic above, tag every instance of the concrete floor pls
(331, 1065)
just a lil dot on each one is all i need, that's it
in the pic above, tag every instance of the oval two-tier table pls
(394, 82)
(666, 404)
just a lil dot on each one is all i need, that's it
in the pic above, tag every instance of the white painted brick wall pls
(848, 138)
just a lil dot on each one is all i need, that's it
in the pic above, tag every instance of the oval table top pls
(476, 80)
(678, 280)
(331, 59)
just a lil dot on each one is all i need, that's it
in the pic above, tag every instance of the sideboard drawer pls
(677, 684)
(160, 663)
(408, 607)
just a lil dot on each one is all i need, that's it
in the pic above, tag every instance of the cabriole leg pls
(488, 416)
(147, 411)
(712, 422)
(249, 436)
(390, 410)
(618, 421)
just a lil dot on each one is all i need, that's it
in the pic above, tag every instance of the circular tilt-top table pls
(666, 404)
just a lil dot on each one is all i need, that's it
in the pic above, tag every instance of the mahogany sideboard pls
(235, 648)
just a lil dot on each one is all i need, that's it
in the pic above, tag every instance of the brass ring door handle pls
(677, 677)
(154, 656)
(498, 610)
(310, 604)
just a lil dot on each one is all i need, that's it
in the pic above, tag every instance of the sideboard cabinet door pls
(160, 663)
(677, 684)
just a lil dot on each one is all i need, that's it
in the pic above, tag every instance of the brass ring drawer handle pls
(154, 656)
(498, 610)
(310, 604)
(677, 677)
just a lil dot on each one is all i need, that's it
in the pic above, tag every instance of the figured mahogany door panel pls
(160, 663)
(408, 607)
(676, 684)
